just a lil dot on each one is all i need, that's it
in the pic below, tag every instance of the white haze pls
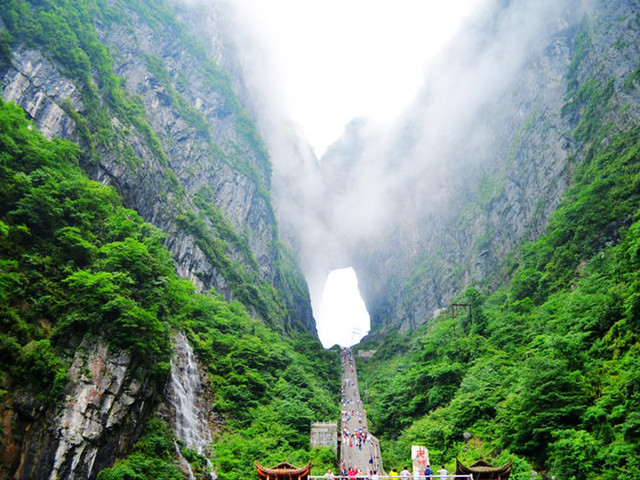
(342, 304)
(398, 173)
(338, 59)
(411, 165)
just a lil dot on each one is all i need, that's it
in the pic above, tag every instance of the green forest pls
(76, 264)
(66, 31)
(545, 370)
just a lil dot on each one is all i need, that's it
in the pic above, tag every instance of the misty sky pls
(340, 59)
(326, 63)
(426, 74)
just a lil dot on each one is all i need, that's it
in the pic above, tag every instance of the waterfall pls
(183, 462)
(184, 393)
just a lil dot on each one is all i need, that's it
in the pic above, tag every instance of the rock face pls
(190, 162)
(501, 193)
(201, 165)
(476, 168)
(102, 414)
(34, 83)
(97, 421)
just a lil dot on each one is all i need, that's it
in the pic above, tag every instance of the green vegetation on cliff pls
(75, 264)
(68, 32)
(546, 370)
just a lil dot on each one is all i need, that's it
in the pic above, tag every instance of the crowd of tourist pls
(354, 435)
(352, 473)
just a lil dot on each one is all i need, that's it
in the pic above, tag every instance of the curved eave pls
(283, 472)
(464, 470)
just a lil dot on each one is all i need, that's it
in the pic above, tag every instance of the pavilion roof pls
(482, 470)
(283, 470)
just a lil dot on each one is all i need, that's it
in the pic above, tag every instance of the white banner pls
(419, 459)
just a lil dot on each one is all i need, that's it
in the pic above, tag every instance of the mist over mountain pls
(433, 202)
(164, 228)
(139, 242)
(391, 191)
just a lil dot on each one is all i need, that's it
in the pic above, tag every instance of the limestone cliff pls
(183, 153)
(477, 165)
(97, 420)
(158, 119)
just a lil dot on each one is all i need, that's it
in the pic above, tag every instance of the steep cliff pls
(533, 228)
(89, 295)
(482, 159)
(95, 381)
(98, 419)
(161, 122)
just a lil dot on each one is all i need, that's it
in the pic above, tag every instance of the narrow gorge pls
(165, 231)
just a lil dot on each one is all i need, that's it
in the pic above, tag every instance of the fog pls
(344, 313)
(392, 180)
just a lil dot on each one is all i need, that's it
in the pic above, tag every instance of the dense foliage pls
(554, 381)
(75, 264)
(65, 30)
(546, 370)
(153, 456)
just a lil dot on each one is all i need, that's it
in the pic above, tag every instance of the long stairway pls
(358, 448)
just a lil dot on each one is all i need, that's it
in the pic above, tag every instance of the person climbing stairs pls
(359, 449)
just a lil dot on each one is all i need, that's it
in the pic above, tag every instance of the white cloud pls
(341, 316)
(338, 59)
(324, 62)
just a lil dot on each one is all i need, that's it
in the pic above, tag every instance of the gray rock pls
(222, 159)
(521, 141)
(97, 421)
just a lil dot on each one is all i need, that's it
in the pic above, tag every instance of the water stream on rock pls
(184, 394)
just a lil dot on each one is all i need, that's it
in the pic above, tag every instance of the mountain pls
(180, 147)
(149, 303)
(157, 216)
(502, 280)
(480, 161)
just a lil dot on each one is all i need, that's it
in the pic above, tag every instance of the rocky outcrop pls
(469, 193)
(96, 422)
(34, 83)
(201, 142)
(476, 177)
(199, 161)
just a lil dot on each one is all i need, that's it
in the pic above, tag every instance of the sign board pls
(419, 459)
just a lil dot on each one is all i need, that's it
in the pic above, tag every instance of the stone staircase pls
(358, 448)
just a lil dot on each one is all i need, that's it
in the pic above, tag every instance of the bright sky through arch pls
(324, 63)
(342, 316)
(340, 59)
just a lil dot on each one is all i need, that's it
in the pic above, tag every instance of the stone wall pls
(324, 434)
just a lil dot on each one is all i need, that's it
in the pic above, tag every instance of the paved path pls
(358, 448)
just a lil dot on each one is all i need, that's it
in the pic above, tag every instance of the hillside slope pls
(139, 250)
(540, 362)
(180, 148)
(481, 160)
(544, 370)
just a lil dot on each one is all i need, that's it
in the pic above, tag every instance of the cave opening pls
(341, 317)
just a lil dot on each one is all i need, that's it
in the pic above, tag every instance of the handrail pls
(395, 477)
